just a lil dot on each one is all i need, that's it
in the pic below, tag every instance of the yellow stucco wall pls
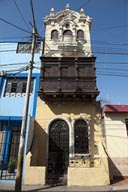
(93, 176)
(95, 172)
(34, 175)
(36, 163)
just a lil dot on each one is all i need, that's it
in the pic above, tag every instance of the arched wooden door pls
(58, 150)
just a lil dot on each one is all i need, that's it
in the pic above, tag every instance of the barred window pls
(81, 137)
(17, 86)
(9, 146)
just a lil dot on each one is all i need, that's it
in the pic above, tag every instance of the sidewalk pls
(117, 187)
(120, 186)
(10, 188)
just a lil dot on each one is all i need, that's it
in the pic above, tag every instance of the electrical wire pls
(24, 37)
(109, 43)
(112, 69)
(112, 75)
(94, 51)
(109, 53)
(17, 7)
(110, 28)
(20, 70)
(106, 43)
(97, 63)
(13, 25)
(11, 64)
(111, 62)
(83, 5)
(92, 41)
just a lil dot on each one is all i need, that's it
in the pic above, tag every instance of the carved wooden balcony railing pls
(68, 77)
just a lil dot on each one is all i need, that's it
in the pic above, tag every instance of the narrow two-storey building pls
(67, 144)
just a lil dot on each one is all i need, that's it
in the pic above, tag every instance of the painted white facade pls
(67, 45)
(116, 141)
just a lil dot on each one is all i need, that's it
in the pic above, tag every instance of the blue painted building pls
(14, 61)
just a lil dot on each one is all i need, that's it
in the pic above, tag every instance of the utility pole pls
(18, 184)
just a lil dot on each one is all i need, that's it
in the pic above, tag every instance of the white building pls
(115, 119)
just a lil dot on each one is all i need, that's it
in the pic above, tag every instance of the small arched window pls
(81, 137)
(67, 36)
(54, 35)
(80, 35)
(67, 33)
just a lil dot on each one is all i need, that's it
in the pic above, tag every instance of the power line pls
(99, 47)
(110, 28)
(110, 42)
(83, 5)
(24, 37)
(20, 69)
(8, 50)
(5, 21)
(38, 62)
(110, 49)
(21, 14)
(111, 62)
(109, 53)
(97, 52)
(105, 28)
(106, 43)
(112, 69)
(10, 64)
(112, 75)
(11, 72)
(92, 41)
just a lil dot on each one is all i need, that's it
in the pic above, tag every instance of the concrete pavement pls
(121, 186)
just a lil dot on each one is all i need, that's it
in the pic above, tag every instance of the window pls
(25, 47)
(67, 33)
(81, 137)
(9, 146)
(17, 86)
(126, 122)
(14, 87)
(80, 35)
(54, 35)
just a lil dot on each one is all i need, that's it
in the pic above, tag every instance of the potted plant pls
(12, 165)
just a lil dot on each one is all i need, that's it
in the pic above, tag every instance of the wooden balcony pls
(68, 78)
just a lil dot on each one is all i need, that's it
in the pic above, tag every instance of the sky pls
(109, 37)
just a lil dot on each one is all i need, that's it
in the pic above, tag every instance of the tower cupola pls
(67, 34)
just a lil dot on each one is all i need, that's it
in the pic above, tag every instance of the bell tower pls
(67, 111)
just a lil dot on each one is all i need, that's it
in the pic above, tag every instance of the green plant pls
(12, 165)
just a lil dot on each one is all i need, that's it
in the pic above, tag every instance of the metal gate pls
(58, 154)
(9, 144)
